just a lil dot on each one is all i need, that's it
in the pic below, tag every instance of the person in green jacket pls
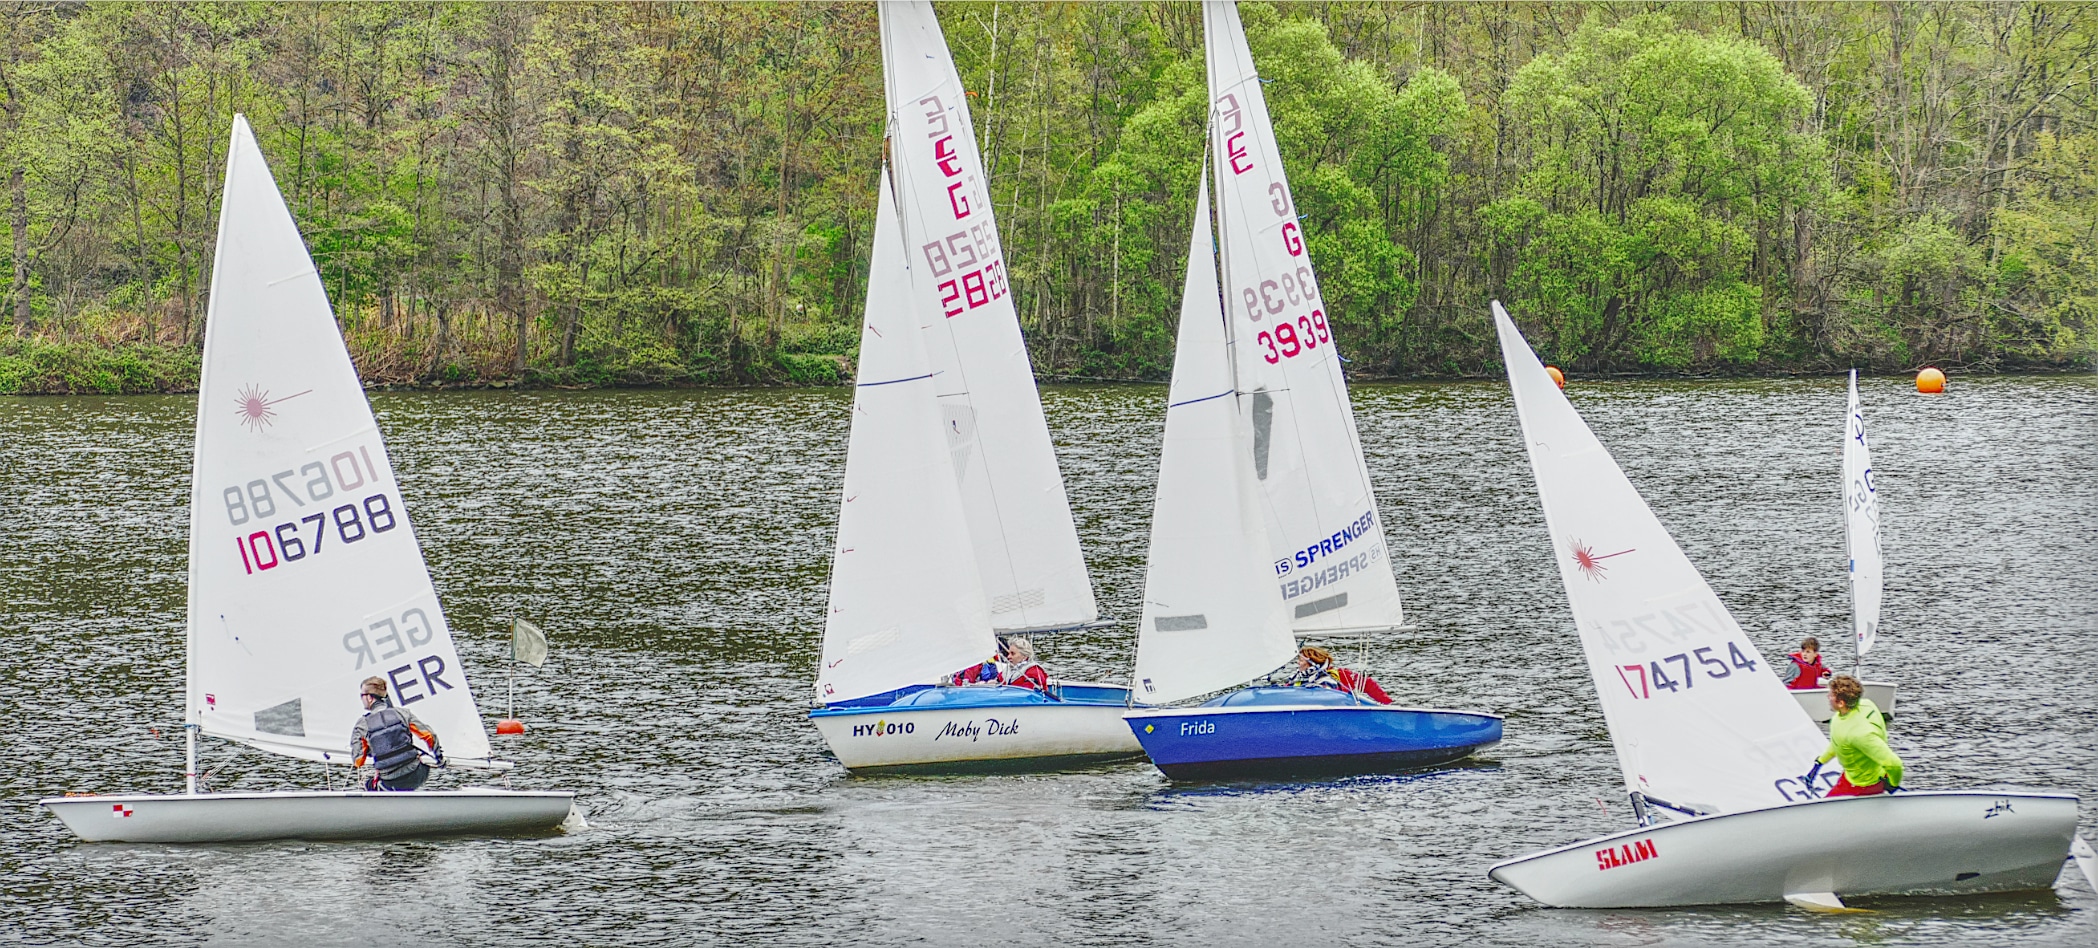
(1857, 738)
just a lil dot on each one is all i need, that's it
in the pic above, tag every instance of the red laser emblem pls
(257, 407)
(1590, 564)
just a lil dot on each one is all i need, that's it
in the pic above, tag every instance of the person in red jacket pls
(1315, 667)
(1021, 670)
(1807, 670)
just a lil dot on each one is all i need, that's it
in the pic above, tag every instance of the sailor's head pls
(373, 691)
(1809, 646)
(1844, 692)
(1311, 656)
(1017, 649)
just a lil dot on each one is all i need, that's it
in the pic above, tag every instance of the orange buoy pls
(509, 726)
(1930, 381)
(1557, 376)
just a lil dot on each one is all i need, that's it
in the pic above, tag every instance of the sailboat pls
(1713, 753)
(938, 287)
(305, 577)
(1265, 529)
(1861, 540)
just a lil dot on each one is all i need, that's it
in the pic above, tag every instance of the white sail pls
(1328, 546)
(1861, 527)
(1696, 718)
(1211, 617)
(905, 602)
(1019, 518)
(304, 574)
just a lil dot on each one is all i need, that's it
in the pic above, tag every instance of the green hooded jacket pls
(1858, 738)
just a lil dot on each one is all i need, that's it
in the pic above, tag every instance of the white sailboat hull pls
(976, 738)
(309, 814)
(1815, 700)
(1913, 843)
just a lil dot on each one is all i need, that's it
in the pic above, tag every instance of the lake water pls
(676, 545)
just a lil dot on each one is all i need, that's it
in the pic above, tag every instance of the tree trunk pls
(19, 221)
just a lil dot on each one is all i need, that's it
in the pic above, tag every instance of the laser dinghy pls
(1861, 541)
(1712, 749)
(305, 577)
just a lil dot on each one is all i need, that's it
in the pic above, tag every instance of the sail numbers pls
(1643, 680)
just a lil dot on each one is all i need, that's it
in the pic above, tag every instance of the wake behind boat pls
(305, 577)
(1707, 737)
(1265, 527)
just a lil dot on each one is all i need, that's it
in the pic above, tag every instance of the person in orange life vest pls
(1021, 670)
(1807, 670)
(1315, 668)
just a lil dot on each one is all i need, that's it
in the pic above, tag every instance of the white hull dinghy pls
(1713, 752)
(955, 528)
(928, 559)
(305, 577)
(1923, 842)
(1814, 701)
(311, 814)
(1265, 527)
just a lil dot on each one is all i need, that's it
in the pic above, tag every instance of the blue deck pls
(928, 697)
(1290, 732)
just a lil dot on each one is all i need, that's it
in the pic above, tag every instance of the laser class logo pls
(257, 408)
(1589, 563)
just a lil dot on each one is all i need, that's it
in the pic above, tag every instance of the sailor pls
(386, 736)
(985, 672)
(1806, 670)
(1857, 738)
(1021, 670)
(1315, 668)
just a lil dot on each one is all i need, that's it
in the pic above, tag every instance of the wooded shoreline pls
(586, 195)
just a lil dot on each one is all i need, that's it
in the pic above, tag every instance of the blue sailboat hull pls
(1305, 732)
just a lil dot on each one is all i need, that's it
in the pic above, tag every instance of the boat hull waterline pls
(310, 814)
(1815, 700)
(980, 728)
(1914, 843)
(1306, 740)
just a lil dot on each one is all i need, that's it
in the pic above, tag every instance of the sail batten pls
(305, 577)
(1019, 516)
(1694, 715)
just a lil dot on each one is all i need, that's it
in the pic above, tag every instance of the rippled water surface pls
(676, 545)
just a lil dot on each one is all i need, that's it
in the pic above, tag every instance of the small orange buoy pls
(1557, 377)
(1930, 381)
(509, 726)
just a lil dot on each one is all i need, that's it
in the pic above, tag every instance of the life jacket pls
(1355, 682)
(1030, 675)
(1810, 673)
(392, 745)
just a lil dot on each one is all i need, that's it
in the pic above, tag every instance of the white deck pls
(1914, 843)
(1815, 700)
(309, 814)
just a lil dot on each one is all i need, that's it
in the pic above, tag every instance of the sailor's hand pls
(1812, 772)
(438, 756)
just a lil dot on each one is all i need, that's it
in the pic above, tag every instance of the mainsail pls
(1019, 518)
(1328, 547)
(1861, 527)
(1696, 718)
(905, 601)
(1212, 617)
(304, 573)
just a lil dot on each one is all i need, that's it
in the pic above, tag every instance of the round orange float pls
(509, 726)
(1558, 378)
(1930, 381)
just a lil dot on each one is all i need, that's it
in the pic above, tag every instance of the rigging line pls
(913, 378)
(1193, 401)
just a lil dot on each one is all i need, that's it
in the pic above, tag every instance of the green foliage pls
(595, 194)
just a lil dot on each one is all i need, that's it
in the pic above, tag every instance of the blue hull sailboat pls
(1265, 530)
